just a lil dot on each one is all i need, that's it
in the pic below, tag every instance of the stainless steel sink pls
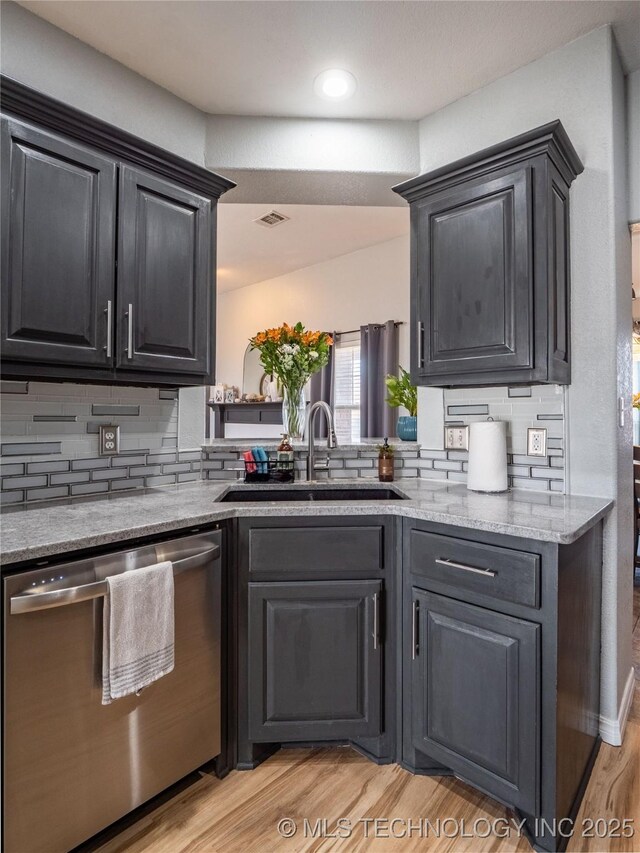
(249, 494)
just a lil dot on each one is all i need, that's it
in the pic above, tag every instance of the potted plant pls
(292, 354)
(403, 393)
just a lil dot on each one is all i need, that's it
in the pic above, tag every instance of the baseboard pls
(612, 729)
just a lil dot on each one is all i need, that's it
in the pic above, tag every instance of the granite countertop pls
(63, 526)
(364, 444)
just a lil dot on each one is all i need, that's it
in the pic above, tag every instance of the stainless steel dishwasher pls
(72, 766)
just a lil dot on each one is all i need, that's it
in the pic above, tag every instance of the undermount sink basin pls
(247, 494)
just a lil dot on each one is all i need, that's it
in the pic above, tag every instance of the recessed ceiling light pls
(335, 84)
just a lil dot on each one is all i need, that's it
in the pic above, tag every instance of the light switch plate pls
(456, 438)
(536, 441)
(109, 439)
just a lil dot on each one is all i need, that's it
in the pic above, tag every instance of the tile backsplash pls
(521, 408)
(50, 440)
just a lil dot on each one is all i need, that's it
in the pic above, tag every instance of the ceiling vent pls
(271, 219)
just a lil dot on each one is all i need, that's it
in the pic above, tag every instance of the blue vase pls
(407, 428)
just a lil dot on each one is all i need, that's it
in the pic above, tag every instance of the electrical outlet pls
(109, 439)
(536, 441)
(456, 438)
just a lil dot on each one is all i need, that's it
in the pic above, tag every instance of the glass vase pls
(294, 411)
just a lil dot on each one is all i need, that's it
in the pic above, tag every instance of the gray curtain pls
(378, 357)
(321, 388)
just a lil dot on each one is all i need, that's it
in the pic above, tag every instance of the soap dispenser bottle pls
(284, 454)
(385, 462)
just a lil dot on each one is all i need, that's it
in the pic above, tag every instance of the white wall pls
(582, 85)
(51, 61)
(633, 144)
(367, 286)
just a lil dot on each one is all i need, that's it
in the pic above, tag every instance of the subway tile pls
(168, 394)
(132, 459)
(166, 479)
(146, 470)
(447, 465)
(47, 494)
(47, 467)
(433, 454)
(176, 467)
(89, 488)
(468, 409)
(132, 483)
(171, 457)
(457, 476)
(410, 472)
(189, 477)
(7, 470)
(359, 463)
(433, 474)
(85, 464)
(557, 485)
(219, 475)
(527, 483)
(13, 497)
(555, 443)
(55, 418)
(109, 474)
(30, 448)
(519, 392)
(115, 410)
(23, 482)
(11, 387)
(547, 473)
(550, 417)
(189, 455)
(169, 441)
(73, 477)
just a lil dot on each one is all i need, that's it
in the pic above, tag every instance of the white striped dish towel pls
(138, 630)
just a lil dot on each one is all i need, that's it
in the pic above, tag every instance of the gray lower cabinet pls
(315, 660)
(501, 666)
(316, 634)
(475, 680)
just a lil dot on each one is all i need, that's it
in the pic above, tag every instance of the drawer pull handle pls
(414, 630)
(452, 565)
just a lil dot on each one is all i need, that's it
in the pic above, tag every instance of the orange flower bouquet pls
(292, 354)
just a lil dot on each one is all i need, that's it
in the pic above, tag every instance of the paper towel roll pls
(488, 457)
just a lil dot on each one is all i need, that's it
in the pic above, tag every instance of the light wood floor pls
(241, 813)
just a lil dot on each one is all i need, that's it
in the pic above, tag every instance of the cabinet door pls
(314, 660)
(472, 280)
(58, 249)
(475, 695)
(165, 276)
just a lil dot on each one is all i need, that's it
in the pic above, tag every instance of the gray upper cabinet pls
(108, 251)
(58, 259)
(490, 264)
(165, 275)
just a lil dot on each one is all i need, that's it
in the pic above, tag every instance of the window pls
(347, 388)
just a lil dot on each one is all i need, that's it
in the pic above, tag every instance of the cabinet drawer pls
(458, 567)
(315, 550)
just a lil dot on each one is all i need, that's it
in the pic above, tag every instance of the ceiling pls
(248, 252)
(261, 58)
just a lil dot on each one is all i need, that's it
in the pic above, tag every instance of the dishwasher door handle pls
(28, 602)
